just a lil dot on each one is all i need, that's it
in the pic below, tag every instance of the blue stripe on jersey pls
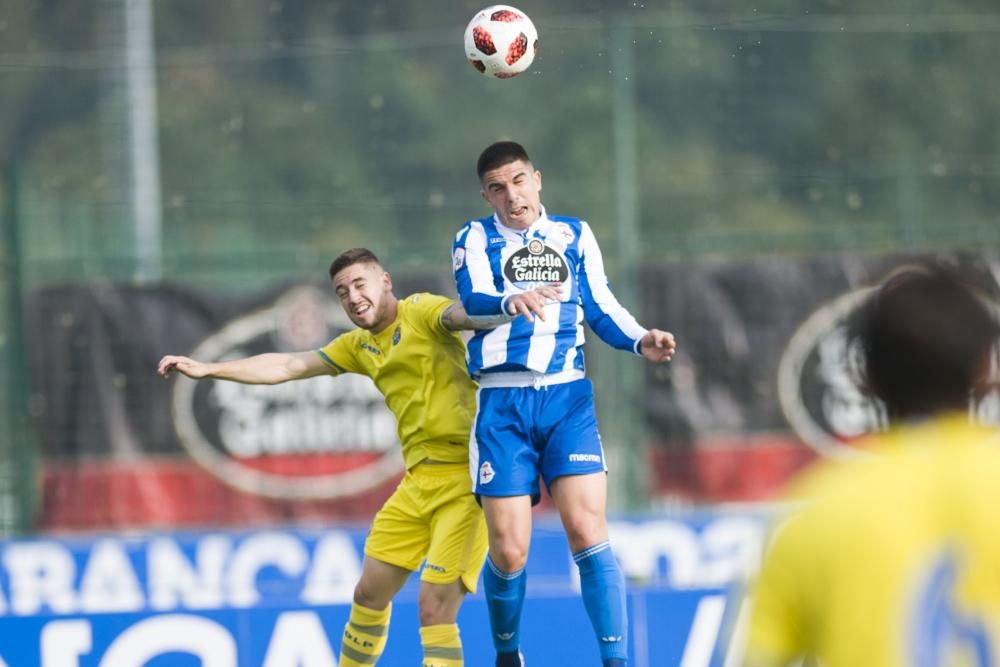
(474, 350)
(572, 253)
(519, 341)
(600, 321)
(565, 338)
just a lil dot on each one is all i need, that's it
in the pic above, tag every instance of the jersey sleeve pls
(427, 310)
(608, 318)
(338, 355)
(475, 278)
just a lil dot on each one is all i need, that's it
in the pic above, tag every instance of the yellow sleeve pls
(338, 355)
(427, 310)
(778, 616)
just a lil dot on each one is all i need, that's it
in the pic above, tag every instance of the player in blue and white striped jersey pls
(536, 407)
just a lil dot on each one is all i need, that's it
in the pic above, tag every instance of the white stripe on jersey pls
(478, 263)
(495, 346)
(543, 340)
(572, 352)
(603, 296)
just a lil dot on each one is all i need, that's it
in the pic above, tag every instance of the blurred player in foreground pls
(894, 559)
(536, 407)
(411, 350)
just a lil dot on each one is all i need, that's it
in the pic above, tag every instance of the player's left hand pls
(658, 345)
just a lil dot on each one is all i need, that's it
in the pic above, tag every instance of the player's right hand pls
(184, 365)
(533, 302)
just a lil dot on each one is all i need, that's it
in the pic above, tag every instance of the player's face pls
(365, 290)
(513, 192)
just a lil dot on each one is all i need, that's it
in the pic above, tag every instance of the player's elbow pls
(292, 367)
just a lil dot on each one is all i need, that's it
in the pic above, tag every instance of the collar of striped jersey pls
(537, 225)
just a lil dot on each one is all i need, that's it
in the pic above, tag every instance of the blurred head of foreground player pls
(926, 340)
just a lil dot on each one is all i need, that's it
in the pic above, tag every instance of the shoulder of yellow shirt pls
(884, 453)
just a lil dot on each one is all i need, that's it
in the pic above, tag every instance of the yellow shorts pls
(432, 515)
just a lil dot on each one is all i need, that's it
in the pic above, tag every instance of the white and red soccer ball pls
(501, 41)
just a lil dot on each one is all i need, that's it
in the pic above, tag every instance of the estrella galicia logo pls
(535, 264)
(396, 335)
(321, 437)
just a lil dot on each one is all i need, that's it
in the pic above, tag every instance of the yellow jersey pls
(419, 366)
(891, 561)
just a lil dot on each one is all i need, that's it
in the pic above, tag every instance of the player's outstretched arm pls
(454, 318)
(658, 345)
(270, 368)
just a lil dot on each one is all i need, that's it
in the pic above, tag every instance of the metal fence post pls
(17, 479)
(623, 389)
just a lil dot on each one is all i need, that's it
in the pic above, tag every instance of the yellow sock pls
(364, 636)
(442, 646)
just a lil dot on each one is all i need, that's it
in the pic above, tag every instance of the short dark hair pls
(925, 335)
(350, 258)
(498, 154)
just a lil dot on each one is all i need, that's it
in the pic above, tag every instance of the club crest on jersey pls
(535, 264)
(396, 335)
(486, 473)
(563, 231)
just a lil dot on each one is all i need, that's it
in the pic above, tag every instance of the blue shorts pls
(521, 432)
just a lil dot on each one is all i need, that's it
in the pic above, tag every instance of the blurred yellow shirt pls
(419, 366)
(893, 560)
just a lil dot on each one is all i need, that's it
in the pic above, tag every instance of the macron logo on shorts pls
(591, 458)
(486, 473)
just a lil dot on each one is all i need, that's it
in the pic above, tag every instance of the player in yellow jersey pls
(410, 349)
(894, 559)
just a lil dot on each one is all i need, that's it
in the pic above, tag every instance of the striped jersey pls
(493, 262)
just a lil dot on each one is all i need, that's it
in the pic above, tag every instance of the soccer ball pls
(501, 41)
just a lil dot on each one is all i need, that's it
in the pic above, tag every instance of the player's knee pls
(438, 604)
(509, 556)
(433, 612)
(370, 596)
(585, 530)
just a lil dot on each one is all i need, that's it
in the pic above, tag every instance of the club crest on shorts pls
(486, 473)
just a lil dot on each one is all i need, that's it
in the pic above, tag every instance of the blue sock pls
(603, 588)
(504, 598)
